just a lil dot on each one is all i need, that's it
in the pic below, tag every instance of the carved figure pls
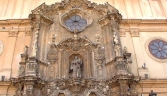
(76, 67)
(116, 42)
(117, 50)
(51, 75)
(125, 50)
(26, 49)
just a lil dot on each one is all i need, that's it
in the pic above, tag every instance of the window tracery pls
(158, 48)
(75, 22)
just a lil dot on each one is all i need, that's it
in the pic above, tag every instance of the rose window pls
(75, 22)
(158, 48)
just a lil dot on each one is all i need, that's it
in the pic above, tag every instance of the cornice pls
(150, 81)
(5, 83)
(15, 22)
(143, 21)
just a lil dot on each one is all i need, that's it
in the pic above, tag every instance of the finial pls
(125, 50)
(75, 33)
(53, 39)
(26, 49)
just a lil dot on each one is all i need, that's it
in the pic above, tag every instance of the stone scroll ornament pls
(1, 47)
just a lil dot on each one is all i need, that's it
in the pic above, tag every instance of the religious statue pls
(76, 67)
(116, 42)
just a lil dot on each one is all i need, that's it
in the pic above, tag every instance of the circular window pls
(75, 22)
(158, 48)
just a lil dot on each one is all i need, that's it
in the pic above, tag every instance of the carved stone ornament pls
(1, 47)
(52, 54)
(51, 73)
(78, 65)
(35, 38)
(99, 54)
(75, 43)
(76, 3)
(117, 49)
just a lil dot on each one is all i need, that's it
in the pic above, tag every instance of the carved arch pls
(65, 92)
(95, 91)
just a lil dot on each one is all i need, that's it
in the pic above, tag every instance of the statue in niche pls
(116, 42)
(117, 50)
(76, 67)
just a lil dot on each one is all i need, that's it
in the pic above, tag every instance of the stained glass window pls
(158, 48)
(76, 22)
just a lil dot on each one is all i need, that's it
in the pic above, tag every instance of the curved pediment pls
(101, 9)
(75, 43)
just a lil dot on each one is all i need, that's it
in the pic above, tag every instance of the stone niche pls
(84, 59)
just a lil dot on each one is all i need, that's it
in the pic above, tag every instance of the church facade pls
(80, 48)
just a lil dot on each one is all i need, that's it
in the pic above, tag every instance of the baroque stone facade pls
(75, 65)
(80, 48)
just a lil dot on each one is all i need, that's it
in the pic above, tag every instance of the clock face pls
(1, 47)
